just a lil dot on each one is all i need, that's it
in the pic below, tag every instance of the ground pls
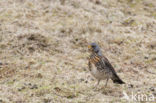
(43, 50)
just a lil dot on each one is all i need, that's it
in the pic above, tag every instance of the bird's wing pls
(101, 62)
(105, 63)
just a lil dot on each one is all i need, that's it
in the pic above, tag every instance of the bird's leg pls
(97, 84)
(106, 82)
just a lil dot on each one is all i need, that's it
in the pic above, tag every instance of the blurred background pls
(43, 49)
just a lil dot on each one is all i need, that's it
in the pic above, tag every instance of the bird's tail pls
(116, 79)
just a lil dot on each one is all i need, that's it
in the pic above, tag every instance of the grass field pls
(43, 50)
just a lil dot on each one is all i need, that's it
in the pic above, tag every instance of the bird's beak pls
(89, 47)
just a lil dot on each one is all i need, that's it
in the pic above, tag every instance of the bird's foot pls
(96, 88)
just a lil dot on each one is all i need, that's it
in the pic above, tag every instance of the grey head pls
(94, 48)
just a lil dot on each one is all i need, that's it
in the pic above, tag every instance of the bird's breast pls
(96, 73)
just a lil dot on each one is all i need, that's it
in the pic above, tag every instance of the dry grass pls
(43, 49)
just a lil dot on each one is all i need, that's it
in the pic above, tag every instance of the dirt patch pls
(27, 44)
(7, 71)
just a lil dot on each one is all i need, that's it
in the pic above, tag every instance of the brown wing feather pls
(108, 64)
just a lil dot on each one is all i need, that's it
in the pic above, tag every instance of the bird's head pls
(94, 48)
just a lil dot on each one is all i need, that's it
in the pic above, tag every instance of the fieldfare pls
(100, 67)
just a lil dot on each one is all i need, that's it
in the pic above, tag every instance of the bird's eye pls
(93, 46)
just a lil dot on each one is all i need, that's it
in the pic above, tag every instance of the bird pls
(100, 67)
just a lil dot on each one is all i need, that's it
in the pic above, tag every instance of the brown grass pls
(43, 49)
